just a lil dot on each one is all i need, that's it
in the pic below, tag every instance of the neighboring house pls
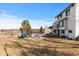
(67, 22)
(47, 30)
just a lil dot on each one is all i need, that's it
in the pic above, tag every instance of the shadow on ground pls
(36, 51)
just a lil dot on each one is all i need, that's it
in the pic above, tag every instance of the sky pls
(38, 14)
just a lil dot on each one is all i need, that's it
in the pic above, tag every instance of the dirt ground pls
(10, 45)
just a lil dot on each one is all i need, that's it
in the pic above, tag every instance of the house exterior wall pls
(77, 20)
(71, 22)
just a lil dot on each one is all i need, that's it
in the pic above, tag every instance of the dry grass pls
(10, 45)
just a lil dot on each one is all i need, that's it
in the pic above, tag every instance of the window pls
(72, 5)
(58, 18)
(58, 25)
(70, 31)
(62, 31)
(68, 12)
(62, 23)
(60, 15)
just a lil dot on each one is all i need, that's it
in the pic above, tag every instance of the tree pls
(41, 29)
(26, 26)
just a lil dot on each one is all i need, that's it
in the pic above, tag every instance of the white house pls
(67, 22)
(47, 30)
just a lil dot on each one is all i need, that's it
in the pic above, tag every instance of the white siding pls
(77, 20)
(70, 23)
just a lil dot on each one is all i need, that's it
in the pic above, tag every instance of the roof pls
(65, 9)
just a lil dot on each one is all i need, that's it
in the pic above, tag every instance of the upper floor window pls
(72, 5)
(68, 12)
(60, 15)
(58, 18)
(63, 23)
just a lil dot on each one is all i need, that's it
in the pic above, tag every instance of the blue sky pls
(38, 14)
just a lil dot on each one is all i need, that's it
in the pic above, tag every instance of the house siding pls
(71, 22)
(77, 20)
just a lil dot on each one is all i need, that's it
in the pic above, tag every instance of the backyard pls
(10, 45)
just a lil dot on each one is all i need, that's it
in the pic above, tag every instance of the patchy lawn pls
(10, 45)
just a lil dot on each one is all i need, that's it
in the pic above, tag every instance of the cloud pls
(9, 21)
(39, 23)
